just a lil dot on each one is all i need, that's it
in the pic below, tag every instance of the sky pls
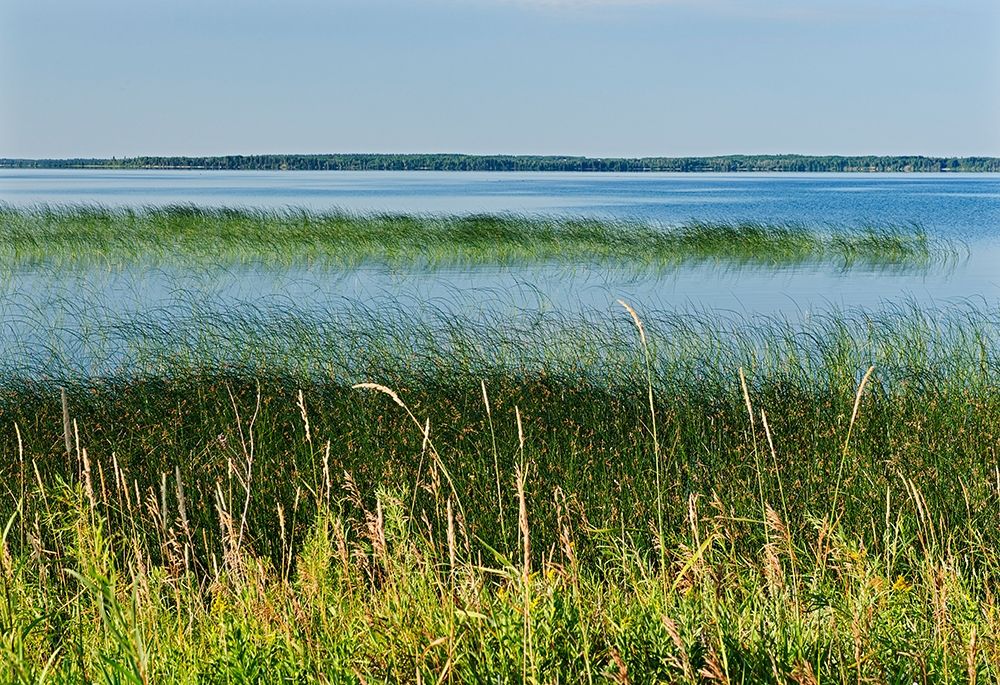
(107, 78)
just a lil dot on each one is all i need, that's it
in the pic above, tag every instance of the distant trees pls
(454, 162)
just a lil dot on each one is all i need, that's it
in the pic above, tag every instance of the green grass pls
(190, 236)
(232, 509)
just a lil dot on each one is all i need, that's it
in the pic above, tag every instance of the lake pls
(966, 205)
(60, 312)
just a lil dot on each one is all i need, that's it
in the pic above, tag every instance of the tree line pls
(455, 162)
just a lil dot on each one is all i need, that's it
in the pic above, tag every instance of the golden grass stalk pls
(661, 543)
(847, 440)
(496, 461)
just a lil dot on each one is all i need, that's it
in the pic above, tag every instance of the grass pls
(260, 496)
(188, 235)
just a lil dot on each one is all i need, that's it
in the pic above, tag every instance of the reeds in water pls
(189, 235)
(234, 514)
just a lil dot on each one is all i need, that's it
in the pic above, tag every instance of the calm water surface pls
(962, 206)
(958, 204)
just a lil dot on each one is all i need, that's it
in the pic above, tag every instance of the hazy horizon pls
(499, 154)
(596, 78)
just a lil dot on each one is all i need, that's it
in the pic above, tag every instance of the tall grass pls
(233, 509)
(190, 235)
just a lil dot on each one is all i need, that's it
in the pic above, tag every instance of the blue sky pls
(592, 77)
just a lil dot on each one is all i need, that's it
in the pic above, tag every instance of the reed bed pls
(258, 495)
(189, 235)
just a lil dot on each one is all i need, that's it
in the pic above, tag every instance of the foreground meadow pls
(631, 497)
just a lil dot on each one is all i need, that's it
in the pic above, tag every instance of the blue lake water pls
(966, 205)
(61, 312)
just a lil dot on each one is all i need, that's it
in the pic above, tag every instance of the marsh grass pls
(189, 235)
(232, 509)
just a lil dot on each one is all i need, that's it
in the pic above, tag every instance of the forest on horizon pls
(460, 162)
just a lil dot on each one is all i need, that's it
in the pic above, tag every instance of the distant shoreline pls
(527, 163)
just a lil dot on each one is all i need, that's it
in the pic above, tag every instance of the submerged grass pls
(819, 503)
(192, 235)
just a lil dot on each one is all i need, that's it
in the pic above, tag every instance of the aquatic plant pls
(259, 493)
(191, 235)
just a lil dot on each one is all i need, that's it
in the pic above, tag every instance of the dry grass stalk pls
(803, 674)
(425, 431)
(661, 532)
(847, 440)
(620, 674)
(681, 660)
(248, 444)
(376, 533)
(231, 558)
(305, 417)
(452, 552)
(971, 652)
(496, 459)
(693, 519)
(753, 437)
(66, 424)
(326, 472)
(104, 487)
(88, 483)
(285, 552)
(520, 475)
(713, 668)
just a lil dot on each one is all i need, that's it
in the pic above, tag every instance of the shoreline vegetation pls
(459, 162)
(255, 493)
(638, 497)
(65, 235)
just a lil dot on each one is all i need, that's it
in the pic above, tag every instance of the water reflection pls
(727, 285)
(93, 320)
